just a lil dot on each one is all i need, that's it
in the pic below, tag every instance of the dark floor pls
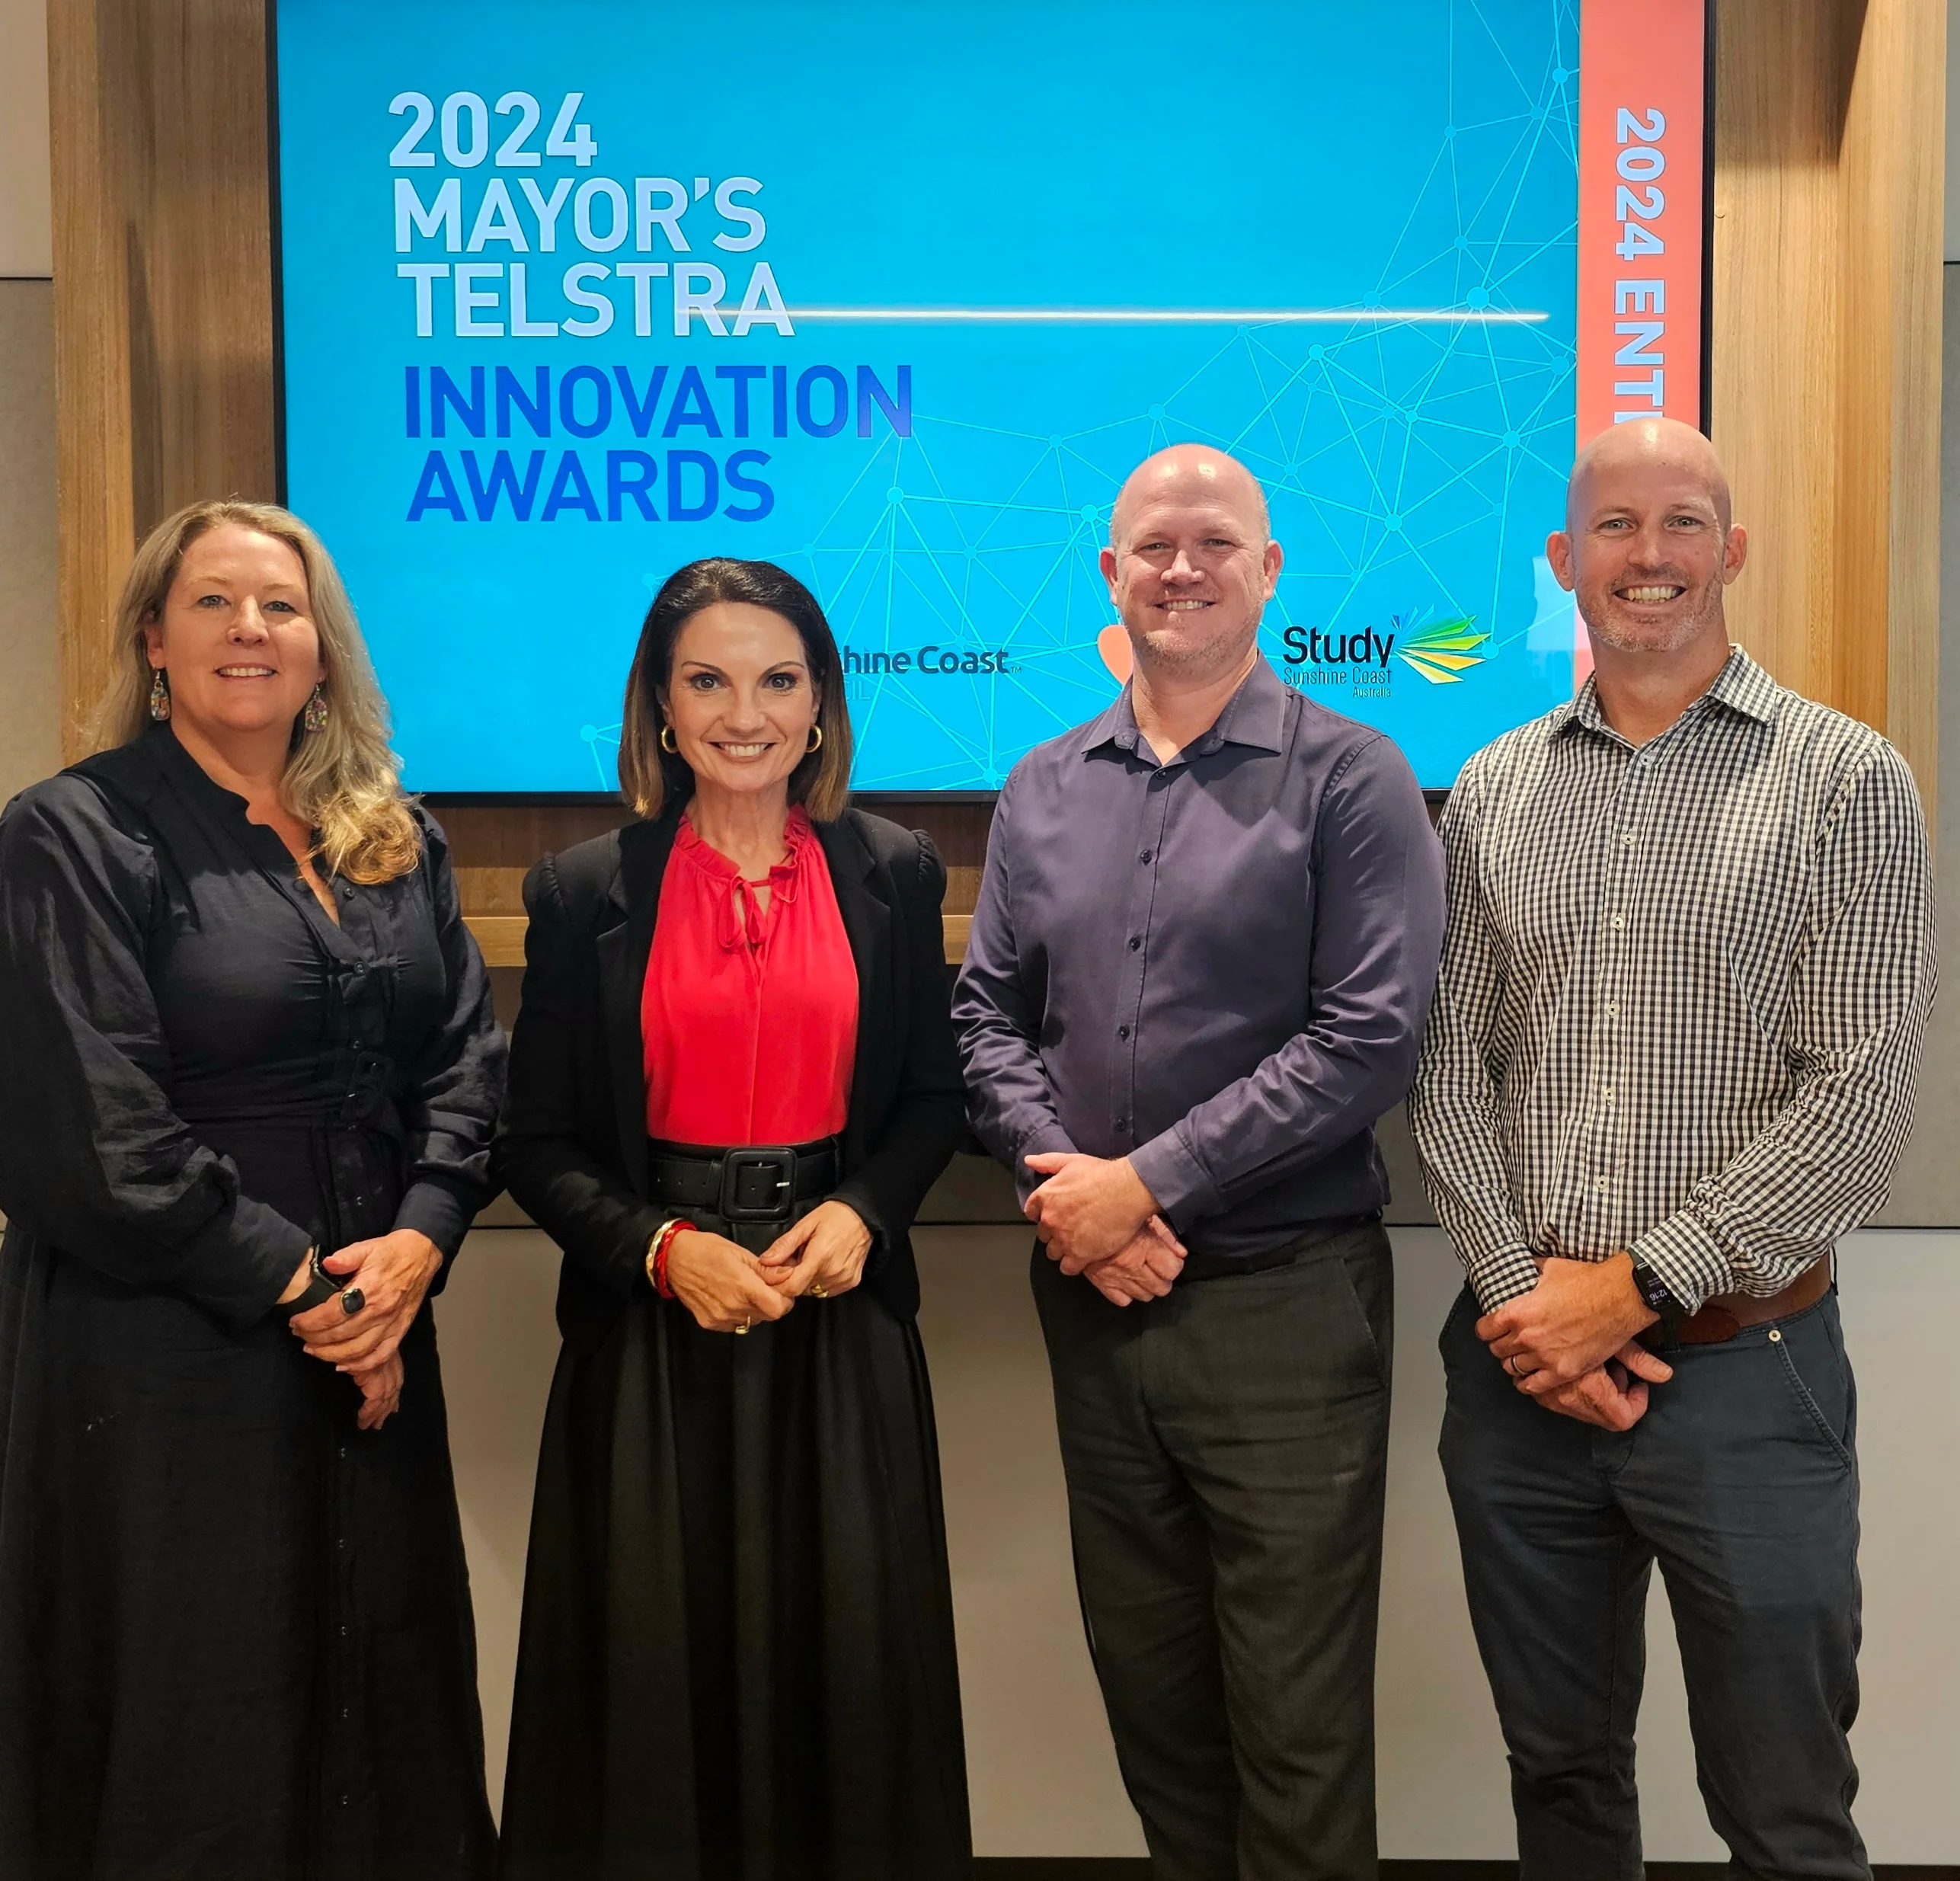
(1058, 1870)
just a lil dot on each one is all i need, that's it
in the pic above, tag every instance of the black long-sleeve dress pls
(235, 1635)
(737, 1659)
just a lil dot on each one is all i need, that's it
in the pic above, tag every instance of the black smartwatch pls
(318, 1291)
(1653, 1290)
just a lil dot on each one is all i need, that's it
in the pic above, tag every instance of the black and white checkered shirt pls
(1683, 992)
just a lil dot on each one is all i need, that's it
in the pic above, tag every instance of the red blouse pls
(748, 1021)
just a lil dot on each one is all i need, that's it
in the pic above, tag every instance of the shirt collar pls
(1254, 716)
(1742, 686)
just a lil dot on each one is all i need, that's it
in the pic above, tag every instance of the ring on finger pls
(352, 1300)
(818, 1290)
(743, 1327)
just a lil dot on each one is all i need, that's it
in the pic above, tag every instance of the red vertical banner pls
(1642, 86)
(1641, 95)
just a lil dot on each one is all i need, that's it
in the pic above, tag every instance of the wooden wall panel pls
(1778, 114)
(163, 288)
(1894, 226)
(1830, 116)
(1830, 121)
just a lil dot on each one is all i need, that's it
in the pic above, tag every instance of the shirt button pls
(1628, 838)
(1145, 857)
(1123, 1031)
(1619, 922)
(1601, 1183)
(1607, 1093)
(1135, 942)
(1611, 1011)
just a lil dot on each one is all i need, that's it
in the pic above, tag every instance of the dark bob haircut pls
(648, 775)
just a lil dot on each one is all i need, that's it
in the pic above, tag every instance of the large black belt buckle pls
(757, 1185)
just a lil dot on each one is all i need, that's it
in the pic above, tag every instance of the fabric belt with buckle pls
(744, 1185)
(1727, 1314)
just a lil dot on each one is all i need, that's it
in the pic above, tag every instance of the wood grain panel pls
(163, 288)
(1830, 121)
(95, 491)
(1894, 225)
(1779, 123)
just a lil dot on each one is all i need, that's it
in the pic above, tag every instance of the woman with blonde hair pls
(249, 1078)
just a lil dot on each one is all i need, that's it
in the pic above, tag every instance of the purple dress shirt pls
(1218, 967)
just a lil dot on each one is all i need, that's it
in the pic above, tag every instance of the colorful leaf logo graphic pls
(1443, 651)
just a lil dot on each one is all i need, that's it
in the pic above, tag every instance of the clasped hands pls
(1571, 1342)
(393, 1271)
(1097, 1218)
(728, 1290)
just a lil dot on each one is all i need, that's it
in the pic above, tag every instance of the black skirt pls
(737, 1661)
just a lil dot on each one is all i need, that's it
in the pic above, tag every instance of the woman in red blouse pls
(732, 1079)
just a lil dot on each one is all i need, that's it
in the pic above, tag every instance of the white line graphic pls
(1182, 316)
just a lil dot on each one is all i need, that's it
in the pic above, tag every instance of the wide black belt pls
(743, 1184)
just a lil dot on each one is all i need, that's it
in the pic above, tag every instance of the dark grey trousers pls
(1224, 1451)
(1741, 1481)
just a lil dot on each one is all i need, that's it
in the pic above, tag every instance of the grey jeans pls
(1225, 1448)
(1742, 1481)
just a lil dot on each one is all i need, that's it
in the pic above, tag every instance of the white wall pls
(1043, 1776)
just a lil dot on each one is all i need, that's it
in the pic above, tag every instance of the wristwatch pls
(316, 1291)
(1653, 1290)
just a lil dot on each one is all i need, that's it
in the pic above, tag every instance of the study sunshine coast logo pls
(1358, 660)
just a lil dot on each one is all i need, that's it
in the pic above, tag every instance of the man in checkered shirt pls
(1671, 1060)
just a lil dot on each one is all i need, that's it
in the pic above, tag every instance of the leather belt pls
(1727, 1314)
(759, 1183)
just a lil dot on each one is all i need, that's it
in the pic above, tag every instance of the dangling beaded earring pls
(159, 697)
(314, 716)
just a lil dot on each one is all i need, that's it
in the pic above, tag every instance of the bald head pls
(1191, 474)
(1649, 544)
(1647, 444)
(1191, 565)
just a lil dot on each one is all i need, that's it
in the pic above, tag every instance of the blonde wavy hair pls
(341, 780)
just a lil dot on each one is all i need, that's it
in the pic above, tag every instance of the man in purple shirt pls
(1199, 970)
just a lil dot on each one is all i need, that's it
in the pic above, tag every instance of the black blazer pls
(572, 1147)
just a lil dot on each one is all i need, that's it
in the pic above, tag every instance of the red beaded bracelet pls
(657, 1259)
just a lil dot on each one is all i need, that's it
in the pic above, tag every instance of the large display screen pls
(896, 295)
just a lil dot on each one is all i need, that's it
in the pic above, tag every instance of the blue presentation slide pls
(896, 295)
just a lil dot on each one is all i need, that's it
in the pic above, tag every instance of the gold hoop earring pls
(667, 743)
(816, 741)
